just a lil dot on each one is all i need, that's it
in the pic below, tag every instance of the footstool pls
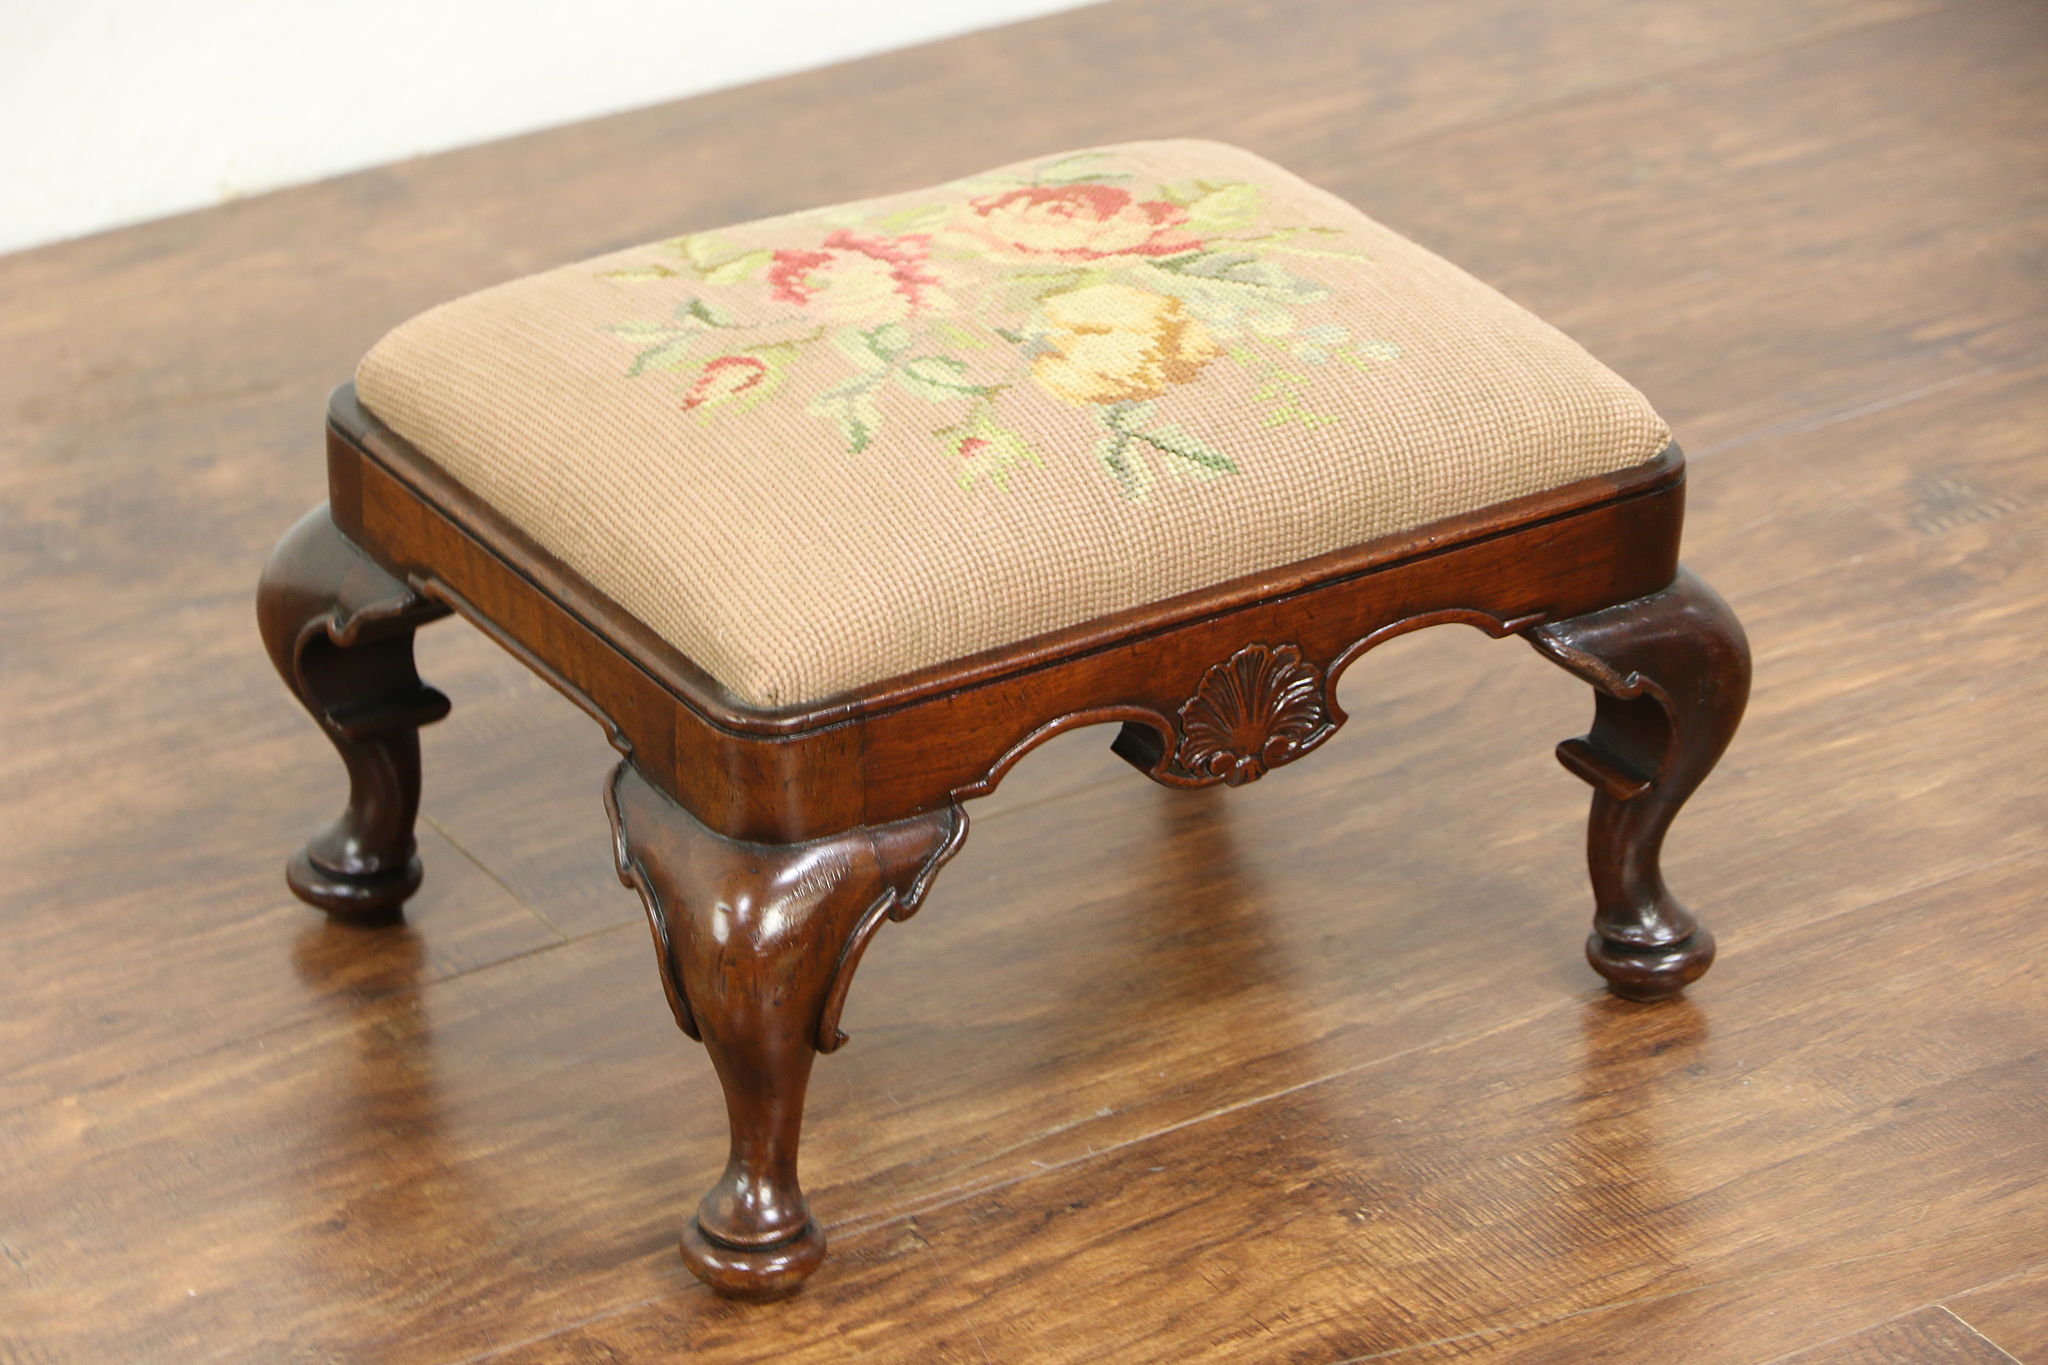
(830, 519)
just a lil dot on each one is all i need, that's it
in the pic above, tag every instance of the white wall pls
(113, 111)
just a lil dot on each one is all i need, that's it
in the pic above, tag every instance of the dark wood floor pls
(1307, 1072)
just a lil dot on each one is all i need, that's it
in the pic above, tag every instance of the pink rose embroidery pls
(724, 379)
(858, 277)
(1080, 223)
(790, 271)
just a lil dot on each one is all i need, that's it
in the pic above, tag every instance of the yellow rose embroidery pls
(1113, 343)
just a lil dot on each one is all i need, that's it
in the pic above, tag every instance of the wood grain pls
(1932, 1336)
(1761, 1317)
(1810, 231)
(2011, 1312)
(1327, 1223)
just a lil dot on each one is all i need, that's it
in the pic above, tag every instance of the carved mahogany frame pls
(770, 845)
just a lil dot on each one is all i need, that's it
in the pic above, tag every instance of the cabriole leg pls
(757, 945)
(1672, 676)
(339, 629)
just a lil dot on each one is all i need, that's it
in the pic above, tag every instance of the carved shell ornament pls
(1261, 707)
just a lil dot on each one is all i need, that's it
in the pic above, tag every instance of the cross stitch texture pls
(823, 450)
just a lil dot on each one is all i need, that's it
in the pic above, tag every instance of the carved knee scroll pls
(1672, 675)
(339, 629)
(757, 945)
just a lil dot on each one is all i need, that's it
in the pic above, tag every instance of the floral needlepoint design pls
(725, 379)
(1110, 343)
(1079, 223)
(858, 278)
(985, 450)
(1076, 283)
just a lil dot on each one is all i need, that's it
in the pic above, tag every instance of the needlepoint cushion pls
(823, 450)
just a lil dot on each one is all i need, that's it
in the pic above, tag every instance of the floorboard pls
(2011, 1312)
(1154, 1076)
(1932, 1336)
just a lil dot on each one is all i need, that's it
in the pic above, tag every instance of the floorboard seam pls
(496, 880)
(287, 1025)
(1851, 1332)
(2002, 1280)
(947, 1198)
(1759, 1277)
(959, 1194)
(1969, 1327)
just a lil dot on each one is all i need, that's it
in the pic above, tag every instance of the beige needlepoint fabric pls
(827, 449)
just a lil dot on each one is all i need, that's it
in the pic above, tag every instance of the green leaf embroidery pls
(853, 344)
(1317, 344)
(738, 268)
(875, 349)
(852, 406)
(1243, 268)
(965, 339)
(1206, 461)
(1283, 390)
(1232, 206)
(703, 312)
(889, 340)
(937, 377)
(1114, 450)
(642, 272)
(712, 260)
(670, 355)
(1280, 384)
(1216, 205)
(916, 219)
(1076, 169)
(1027, 288)
(1284, 239)
(1363, 356)
(1132, 422)
(701, 250)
